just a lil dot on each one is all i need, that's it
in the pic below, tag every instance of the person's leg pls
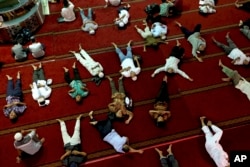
(76, 72)
(163, 93)
(75, 139)
(67, 75)
(119, 52)
(226, 48)
(129, 50)
(197, 28)
(121, 86)
(171, 158)
(90, 14)
(82, 14)
(18, 87)
(10, 86)
(65, 136)
(35, 75)
(230, 42)
(184, 30)
(112, 85)
(40, 72)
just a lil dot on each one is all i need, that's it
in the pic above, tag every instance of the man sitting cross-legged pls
(109, 135)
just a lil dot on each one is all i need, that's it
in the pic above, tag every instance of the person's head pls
(18, 136)
(160, 122)
(12, 115)
(202, 47)
(170, 70)
(78, 98)
(163, 1)
(100, 74)
(246, 62)
(121, 24)
(133, 75)
(125, 148)
(42, 101)
(91, 31)
(65, 3)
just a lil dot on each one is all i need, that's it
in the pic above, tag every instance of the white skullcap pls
(91, 31)
(18, 136)
(121, 24)
(134, 78)
(101, 75)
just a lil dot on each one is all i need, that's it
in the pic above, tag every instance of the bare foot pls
(72, 51)
(18, 75)
(220, 63)
(240, 23)
(169, 150)
(109, 78)
(153, 75)
(74, 65)
(178, 23)
(129, 43)
(80, 116)
(136, 26)
(65, 69)
(80, 47)
(202, 118)
(227, 35)
(8, 77)
(91, 114)
(40, 65)
(114, 44)
(34, 67)
(79, 8)
(121, 77)
(59, 120)
(214, 40)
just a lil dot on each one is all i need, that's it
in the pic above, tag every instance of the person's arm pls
(19, 156)
(72, 90)
(67, 153)
(158, 70)
(130, 116)
(183, 74)
(137, 62)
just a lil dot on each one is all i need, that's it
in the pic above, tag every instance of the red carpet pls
(206, 95)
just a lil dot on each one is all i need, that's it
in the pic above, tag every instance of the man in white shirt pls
(39, 88)
(94, 67)
(127, 62)
(67, 12)
(212, 144)
(109, 135)
(88, 24)
(207, 6)
(123, 16)
(233, 52)
(36, 48)
(159, 30)
(112, 2)
(27, 141)
(172, 62)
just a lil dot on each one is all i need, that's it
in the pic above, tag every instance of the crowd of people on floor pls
(121, 105)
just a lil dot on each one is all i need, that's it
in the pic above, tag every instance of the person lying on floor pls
(245, 27)
(117, 108)
(194, 38)
(129, 69)
(238, 81)
(152, 37)
(40, 88)
(109, 135)
(73, 155)
(233, 52)
(67, 12)
(245, 5)
(26, 143)
(78, 88)
(160, 114)
(123, 16)
(171, 65)
(14, 96)
(112, 3)
(207, 6)
(212, 144)
(89, 25)
(93, 67)
(169, 160)
(165, 7)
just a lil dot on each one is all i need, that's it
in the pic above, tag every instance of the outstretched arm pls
(130, 116)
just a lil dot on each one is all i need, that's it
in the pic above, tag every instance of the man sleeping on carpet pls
(212, 144)
(78, 88)
(117, 108)
(73, 155)
(109, 135)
